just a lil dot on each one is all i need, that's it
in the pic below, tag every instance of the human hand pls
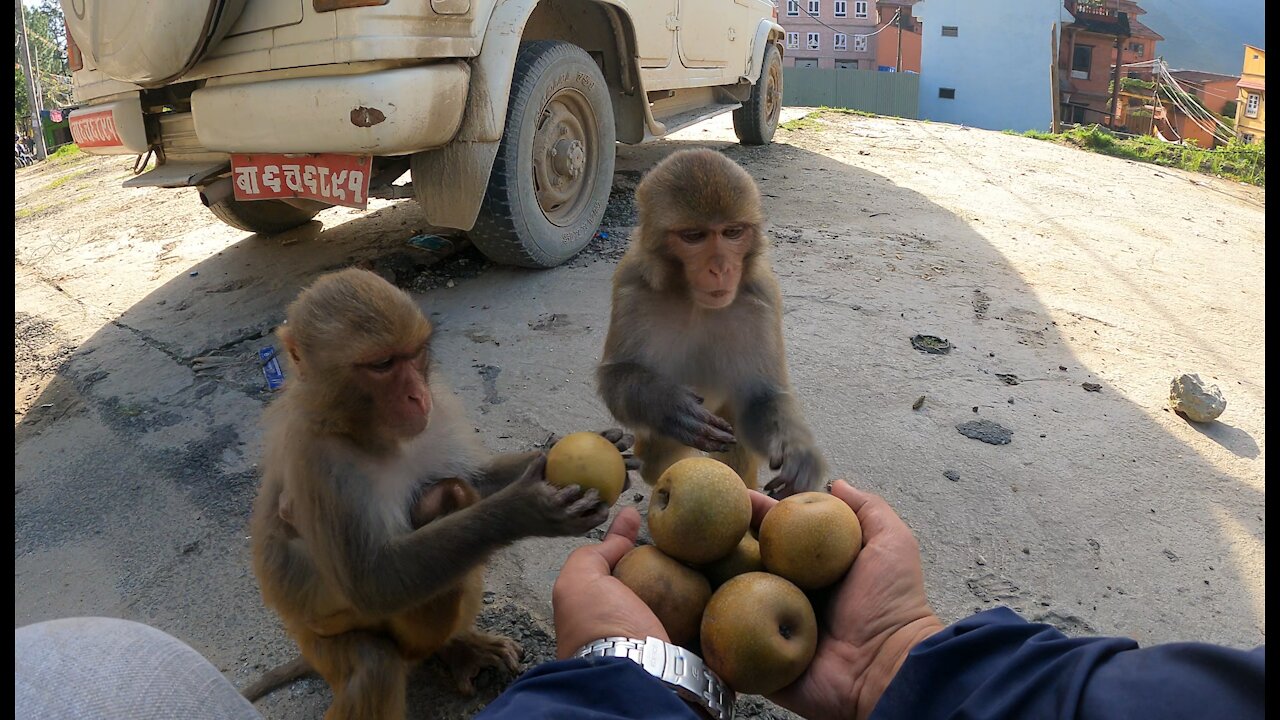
(877, 613)
(589, 603)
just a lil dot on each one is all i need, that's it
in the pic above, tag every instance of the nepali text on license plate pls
(334, 179)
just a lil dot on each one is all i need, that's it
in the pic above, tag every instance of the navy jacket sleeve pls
(997, 665)
(588, 689)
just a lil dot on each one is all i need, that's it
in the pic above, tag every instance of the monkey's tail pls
(295, 669)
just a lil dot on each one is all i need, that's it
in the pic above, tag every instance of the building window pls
(950, 31)
(860, 9)
(842, 41)
(842, 8)
(846, 64)
(793, 8)
(806, 62)
(1081, 62)
(812, 43)
(815, 7)
(859, 43)
(793, 41)
(947, 93)
(1251, 106)
(1138, 48)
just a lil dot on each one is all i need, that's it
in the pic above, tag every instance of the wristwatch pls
(683, 671)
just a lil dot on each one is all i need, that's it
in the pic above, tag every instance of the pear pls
(759, 633)
(810, 539)
(699, 510)
(675, 593)
(588, 460)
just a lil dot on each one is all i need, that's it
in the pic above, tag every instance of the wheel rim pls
(773, 94)
(564, 150)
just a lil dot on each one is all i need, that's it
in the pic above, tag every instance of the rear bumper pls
(388, 112)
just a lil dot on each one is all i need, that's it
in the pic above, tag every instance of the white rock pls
(1189, 396)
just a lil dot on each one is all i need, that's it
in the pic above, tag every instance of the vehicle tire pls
(755, 122)
(266, 217)
(551, 179)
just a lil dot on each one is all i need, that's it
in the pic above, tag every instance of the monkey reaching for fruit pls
(378, 508)
(694, 357)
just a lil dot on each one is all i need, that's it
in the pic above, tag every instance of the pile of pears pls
(737, 598)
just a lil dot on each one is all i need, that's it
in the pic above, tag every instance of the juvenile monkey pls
(694, 358)
(378, 508)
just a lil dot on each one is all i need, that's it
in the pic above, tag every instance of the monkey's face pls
(712, 257)
(396, 383)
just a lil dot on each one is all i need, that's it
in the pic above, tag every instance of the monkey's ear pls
(290, 346)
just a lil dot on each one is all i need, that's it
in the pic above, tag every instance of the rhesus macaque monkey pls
(694, 358)
(378, 507)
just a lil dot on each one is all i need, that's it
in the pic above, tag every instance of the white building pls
(989, 63)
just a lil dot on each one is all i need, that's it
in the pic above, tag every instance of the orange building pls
(1104, 35)
(898, 46)
(1213, 92)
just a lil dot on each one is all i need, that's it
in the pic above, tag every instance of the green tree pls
(47, 38)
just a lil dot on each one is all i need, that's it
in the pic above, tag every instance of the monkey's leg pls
(365, 672)
(744, 462)
(657, 453)
(471, 650)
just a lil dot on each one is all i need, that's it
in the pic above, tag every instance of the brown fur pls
(368, 571)
(670, 361)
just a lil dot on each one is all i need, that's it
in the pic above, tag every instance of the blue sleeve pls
(588, 689)
(997, 665)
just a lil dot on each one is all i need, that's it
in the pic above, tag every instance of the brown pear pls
(759, 633)
(744, 558)
(810, 539)
(699, 510)
(675, 593)
(588, 460)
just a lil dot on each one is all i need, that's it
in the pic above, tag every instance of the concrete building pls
(990, 64)
(1251, 104)
(1211, 91)
(900, 54)
(1102, 35)
(829, 33)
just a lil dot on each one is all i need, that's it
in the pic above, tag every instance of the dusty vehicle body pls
(506, 112)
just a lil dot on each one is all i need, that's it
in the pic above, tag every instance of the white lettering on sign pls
(355, 185)
(293, 177)
(95, 129)
(271, 177)
(247, 179)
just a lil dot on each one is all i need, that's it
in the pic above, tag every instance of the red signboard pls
(95, 129)
(334, 179)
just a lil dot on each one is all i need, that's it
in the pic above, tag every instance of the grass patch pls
(65, 179)
(33, 210)
(1236, 161)
(68, 154)
(810, 121)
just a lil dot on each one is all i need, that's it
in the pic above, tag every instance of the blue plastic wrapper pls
(271, 369)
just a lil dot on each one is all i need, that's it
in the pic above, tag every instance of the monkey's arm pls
(501, 471)
(771, 423)
(382, 574)
(640, 397)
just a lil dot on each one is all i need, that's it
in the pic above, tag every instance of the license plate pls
(329, 178)
(95, 129)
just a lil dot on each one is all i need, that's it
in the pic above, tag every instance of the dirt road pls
(137, 400)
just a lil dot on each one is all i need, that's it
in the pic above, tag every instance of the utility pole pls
(33, 91)
(1115, 84)
(899, 68)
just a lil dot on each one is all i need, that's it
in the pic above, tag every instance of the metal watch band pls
(673, 665)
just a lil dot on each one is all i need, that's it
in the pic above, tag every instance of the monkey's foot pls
(469, 653)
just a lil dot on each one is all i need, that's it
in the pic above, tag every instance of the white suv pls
(505, 111)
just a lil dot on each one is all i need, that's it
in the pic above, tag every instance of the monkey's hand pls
(621, 440)
(689, 422)
(552, 511)
(799, 465)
